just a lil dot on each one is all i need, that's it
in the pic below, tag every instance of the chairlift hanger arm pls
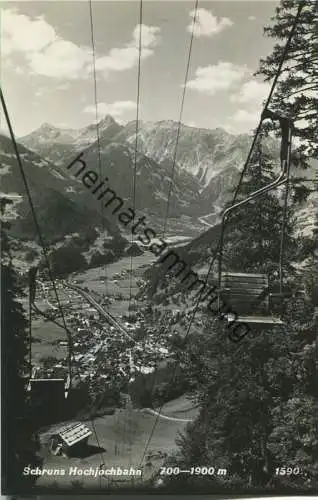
(286, 128)
(286, 125)
(32, 284)
(277, 182)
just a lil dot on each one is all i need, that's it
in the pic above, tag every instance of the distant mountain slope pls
(62, 205)
(202, 152)
(207, 161)
(152, 180)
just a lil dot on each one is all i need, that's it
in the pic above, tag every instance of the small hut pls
(69, 439)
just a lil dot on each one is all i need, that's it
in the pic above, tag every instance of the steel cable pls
(286, 49)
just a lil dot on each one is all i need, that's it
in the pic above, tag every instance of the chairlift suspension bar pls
(287, 130)
(37, 310)
(30, 332)
(301, 5)
(32, 294)
(286, 126)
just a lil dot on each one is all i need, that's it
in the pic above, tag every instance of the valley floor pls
(118, 439)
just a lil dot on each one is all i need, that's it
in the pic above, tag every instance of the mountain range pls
(199, 174)
(205, 163)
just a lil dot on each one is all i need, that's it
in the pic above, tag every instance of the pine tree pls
(296, 93)
(295, 418)
(18, 444)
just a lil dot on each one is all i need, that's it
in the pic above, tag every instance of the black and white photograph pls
(159, 247)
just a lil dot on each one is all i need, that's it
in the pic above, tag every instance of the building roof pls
(73, 433)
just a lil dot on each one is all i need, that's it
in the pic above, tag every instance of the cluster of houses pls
(102, 349)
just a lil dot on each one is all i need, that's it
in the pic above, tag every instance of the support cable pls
(166, 326)
(99, 160)
(131, 298)
(44, 249)
(136, 144)
(214, 257)
(180, 116)
(42, 243)
(97, 122)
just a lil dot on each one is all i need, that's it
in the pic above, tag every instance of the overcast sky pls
(47, 62)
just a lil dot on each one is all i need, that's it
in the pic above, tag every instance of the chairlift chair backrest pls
(249, 297)
(246, 293)
(49, 390)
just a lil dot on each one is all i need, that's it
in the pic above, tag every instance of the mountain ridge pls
(156, 142)
(206, 165)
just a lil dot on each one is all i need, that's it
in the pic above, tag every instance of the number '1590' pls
(287, 471)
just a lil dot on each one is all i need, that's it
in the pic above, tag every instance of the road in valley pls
(110, 318)
(119, 327)
(216, 213)
(165, 417)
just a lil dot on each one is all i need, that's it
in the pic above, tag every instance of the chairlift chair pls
(248, 294)
(249, 297)
(45, 388)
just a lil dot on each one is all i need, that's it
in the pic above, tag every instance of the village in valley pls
(105, 337)
(111, 350)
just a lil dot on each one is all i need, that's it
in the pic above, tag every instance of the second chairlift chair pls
(248, 294)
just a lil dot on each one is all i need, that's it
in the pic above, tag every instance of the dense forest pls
(19, 445)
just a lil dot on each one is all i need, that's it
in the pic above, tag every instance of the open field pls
(47, 332)
(92, 279)
(123, 436)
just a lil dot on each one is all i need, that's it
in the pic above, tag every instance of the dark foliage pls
(296, 93)
(19, 445)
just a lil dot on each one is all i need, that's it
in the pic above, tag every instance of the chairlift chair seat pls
(45, 387)
(249, 297)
